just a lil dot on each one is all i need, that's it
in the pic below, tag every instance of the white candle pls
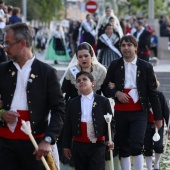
(34, 142)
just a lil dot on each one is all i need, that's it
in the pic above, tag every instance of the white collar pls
(89, 96)
(140, 32)
(27, 64)
(132, 62)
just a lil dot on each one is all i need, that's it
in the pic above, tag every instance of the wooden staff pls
(27, 130)
(108, 119)
(51, 161)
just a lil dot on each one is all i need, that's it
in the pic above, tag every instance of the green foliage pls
(42, 10)
(140, 8)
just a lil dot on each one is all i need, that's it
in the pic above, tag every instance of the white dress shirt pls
(139, 33)
(86, 107)
(130, 74)
(130, 79)
(19, 101)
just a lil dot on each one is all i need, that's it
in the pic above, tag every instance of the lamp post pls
(24, 7)
(151, 9)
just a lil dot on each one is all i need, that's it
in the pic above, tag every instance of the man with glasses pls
(30, 91)
(135, 86)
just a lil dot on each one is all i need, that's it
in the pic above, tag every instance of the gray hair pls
(21, 32)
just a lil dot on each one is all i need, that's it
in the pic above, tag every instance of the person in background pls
(86, 126)
(57, 49)
(105, 19)
(143, 37)
(30, 91)
(2, 4)
(87, 31)
(135, 84)
(147, 26)
(8, 14)
(108, 46)
(15, 17)
(3, 56)
(149, 144)
(154, 43)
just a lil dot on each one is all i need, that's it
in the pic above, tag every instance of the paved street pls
(162, 66)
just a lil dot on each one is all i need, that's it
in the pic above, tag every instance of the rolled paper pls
(28, 132)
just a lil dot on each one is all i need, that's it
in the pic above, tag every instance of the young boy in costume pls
(85, 125)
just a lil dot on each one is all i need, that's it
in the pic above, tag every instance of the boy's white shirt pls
(86, 108)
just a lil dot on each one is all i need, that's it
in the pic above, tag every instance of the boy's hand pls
(67, 153)
(158, 123)
(110, 145)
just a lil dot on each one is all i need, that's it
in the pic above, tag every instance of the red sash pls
(131, 106)
(18, 133)
(144, 52)
(83, 137)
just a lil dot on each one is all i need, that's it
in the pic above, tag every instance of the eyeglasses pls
(10, 45)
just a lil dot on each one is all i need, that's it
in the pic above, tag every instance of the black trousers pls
(155, 50)
(89, 156)
(18, 155)
(149, 144)
(130, 131)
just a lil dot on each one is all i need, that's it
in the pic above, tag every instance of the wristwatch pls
(48, 139)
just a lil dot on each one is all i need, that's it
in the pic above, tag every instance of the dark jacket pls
(144, 40)
(43, 96)
(14, 19)
(164, 107)
(146, 84)
(73, 119)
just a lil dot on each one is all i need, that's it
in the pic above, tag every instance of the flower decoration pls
(32, 77)
(30, 80)
(13, 73)
(94, 104)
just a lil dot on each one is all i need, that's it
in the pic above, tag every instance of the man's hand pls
(67, 153)
(110, 145)
(122, 97)
(43, 149)
(158, 123)
(10, 116)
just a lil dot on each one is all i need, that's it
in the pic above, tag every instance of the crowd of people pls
(94, 32)
(8, 15)
(109, 76)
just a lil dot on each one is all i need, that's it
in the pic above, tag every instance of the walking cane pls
(27, 130)
(108, 119)
(166, 137)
